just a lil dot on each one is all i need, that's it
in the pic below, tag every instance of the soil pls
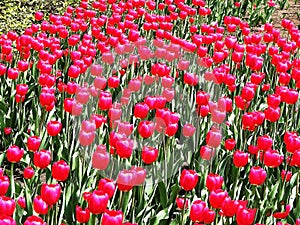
(291, 12)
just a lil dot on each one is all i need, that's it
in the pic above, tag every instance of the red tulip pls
(149, 154)
(188, 179)
(33, 143)
(214, 181)
(188, 130)
(272, 158)
(207, 153)
(229, 144)
(217, 197)
(42, 158)
(105, 100)
(141, 110)
(82, 215)
(282, 215)
(14, 154)
(50, 193)
(107, 186)
(40, 206)
(7, 130)
(34, 220)
(54, 127)
(126, 180)
(257, 175)
(229, 207)
(112, 217)
(60, 170)
(182, 203)
(28, 172)
(201, 213)
(264, 142)
(146, 128)
(97, 202)
(7, 206)
(286, 175)
(22, 202)
(124, 147)
(245, 216)
(240, 159)
(4, 184)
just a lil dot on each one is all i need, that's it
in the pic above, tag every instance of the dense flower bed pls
(144, 112)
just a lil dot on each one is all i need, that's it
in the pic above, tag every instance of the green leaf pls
(162, 194)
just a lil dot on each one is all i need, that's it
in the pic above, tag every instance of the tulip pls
(28, 172)
(240, 159)
(139, 175)
(126, 180)
(146, 129)
(42, 158)
(82, 215)
(33, 143)
(60, 170)
(124, 147)
(34, 220)
(4, 184)
(107, 186)
(149, 154)
(272, 158)
(141, 110)
(229, 144)
(100, 158)
(105, 100)
(188, 179)
(214, 181)
(114, 217)
(97, 202)
(7, 206)
(7, 130)
(14, 154)
(245, 216)
(286, 175)
(182, 203)
(217, 197)
(207, 153)
(22, 202)
(54, 127)
(7, 220)
(229, 207)
(282, 215)
(50, 193)
(257, 175)
(40, 206)
(264, 142)
(201, 213)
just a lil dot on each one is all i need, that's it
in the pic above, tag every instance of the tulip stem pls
(182, 212)
(12, 181)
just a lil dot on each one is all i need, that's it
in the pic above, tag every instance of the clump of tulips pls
(145, 112)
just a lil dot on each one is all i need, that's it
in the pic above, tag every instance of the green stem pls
(12, 181)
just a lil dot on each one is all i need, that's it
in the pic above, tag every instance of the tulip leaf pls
(162, 194)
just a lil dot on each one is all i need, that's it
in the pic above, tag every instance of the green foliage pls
(19, 14)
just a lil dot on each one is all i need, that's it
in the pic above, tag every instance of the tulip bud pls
(40, 206)
(188, 179)
(257, 175)
(82, 215)
(42, 158)
(97, 202)
(60, 170)
(14, 154)
(50, 193)
(112, 217)
(34, 220)
(54, 127)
